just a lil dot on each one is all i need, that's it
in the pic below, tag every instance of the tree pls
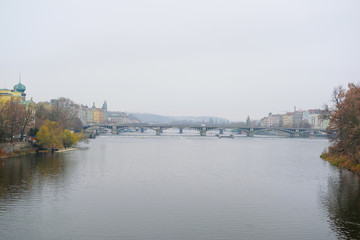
(61, 110)
(2, 123)
(64, 111)
(50, 135)
(81, 138)
(33, 131)
(345, 122)
(325, 113)
(42, 113)
(28, 116)
(77, 125)
(13, 113)
(69, 138)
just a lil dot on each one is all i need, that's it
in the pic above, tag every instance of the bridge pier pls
(251, 133)
(203, 131)
(181, 130)
(297, 133)
(113, 129)
(158, 131)
(93, 134)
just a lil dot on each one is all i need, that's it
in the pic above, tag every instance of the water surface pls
(173, 187)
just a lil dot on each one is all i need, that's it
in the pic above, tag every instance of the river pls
(180, 187)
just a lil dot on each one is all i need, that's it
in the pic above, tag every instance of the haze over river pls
(180, 187)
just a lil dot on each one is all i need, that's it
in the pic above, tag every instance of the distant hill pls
(154, 118)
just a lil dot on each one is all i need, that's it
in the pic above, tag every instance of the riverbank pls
(66, 149)
(342, 161)
(17, 149)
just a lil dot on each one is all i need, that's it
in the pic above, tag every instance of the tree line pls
(55, 124)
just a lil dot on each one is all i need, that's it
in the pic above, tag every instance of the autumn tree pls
(2, 123)
(344, 126)
(13, 112)
(50, 135)
(27, 117)
(15, 118)
(64, 111)
(61, 110)
(69, 138)
(42, 113)
(81, 138)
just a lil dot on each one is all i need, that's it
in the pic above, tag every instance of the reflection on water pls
(342, 201)
(23, 175)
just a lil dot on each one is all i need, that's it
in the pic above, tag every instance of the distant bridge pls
(202, 128)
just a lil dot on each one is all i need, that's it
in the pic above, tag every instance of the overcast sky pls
(222, 58)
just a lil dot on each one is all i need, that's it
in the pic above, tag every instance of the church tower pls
(104, 109)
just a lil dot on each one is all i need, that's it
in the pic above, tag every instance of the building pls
(96, 115)
(264, 122)
(306, 116)
(17, 93)
(274, 120)
(117, 118)
(297, 119)
(315, 120)
(287, 120)
(104, 109)
(92, 115)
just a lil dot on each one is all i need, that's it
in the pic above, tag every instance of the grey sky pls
(222, 58)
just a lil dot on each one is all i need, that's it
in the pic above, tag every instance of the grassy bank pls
(342, 161)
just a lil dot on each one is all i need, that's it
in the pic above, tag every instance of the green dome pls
(20, 87)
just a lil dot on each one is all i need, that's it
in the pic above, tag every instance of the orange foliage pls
(345, 122)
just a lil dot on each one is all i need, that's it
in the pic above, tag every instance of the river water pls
(180, 187)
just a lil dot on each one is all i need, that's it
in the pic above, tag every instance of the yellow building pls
(93, 115)
(6, 95)
(18, 93)
(98, 115)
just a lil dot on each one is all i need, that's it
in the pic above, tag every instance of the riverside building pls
(17, 93)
